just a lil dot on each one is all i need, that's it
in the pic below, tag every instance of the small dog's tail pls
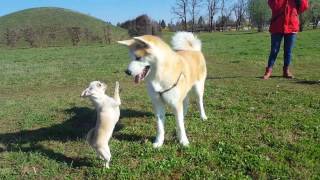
(90, 137)
(185, 41)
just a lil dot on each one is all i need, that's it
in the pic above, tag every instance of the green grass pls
(46, 21)
(256, 129)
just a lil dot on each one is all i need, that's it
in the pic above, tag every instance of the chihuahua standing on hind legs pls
(108, 113)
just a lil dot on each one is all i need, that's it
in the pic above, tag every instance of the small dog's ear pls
(127, 42)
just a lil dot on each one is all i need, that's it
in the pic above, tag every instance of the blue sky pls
(109, 10)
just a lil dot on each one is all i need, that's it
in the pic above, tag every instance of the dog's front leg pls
(159, 109)
(181, 132)
(160, 115)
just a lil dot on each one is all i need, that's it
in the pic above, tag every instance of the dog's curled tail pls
(186, 41)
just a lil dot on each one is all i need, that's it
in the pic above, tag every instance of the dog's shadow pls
(81, 120)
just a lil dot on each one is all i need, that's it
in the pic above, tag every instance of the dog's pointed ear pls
(127, 42)
(142, 41)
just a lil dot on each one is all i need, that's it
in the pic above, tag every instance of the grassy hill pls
(256, 129)
(50, 27)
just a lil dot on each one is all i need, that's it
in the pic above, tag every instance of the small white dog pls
(108, 113)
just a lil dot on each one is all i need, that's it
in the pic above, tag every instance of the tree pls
(11, 37)
(87, 34)
(194, 12)
(29, 36)
(315, 13)
(180, 10)
(201, 23)
(163, 24)
(107, 34)
(239, 9)
(225, 15)
(259, 13)
(74, 33)
(142, 25)
(212, 8)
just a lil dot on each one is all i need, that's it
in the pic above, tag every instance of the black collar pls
(173, 86)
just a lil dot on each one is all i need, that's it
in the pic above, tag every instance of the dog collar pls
(173, 86)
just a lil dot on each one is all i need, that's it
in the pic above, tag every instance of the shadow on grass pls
(308, 82)
(81, 120)
(240, 33)
(225, 77)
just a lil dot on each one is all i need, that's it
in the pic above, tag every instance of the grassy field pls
(256, 129)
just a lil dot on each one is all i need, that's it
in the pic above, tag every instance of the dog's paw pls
(106, 165)
(157, 144)
(185, 142)
(204, 117)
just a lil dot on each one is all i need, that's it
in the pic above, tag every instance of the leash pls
(173, 86)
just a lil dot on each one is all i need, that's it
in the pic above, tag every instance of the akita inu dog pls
(170, 74)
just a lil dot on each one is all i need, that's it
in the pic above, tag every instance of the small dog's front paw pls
(106, 165)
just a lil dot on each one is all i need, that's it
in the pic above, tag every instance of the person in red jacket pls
(284, 25)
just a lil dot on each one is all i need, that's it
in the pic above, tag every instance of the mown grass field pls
(256, 129)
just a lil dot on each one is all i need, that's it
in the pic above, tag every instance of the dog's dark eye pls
(138, 58)
(99, 84)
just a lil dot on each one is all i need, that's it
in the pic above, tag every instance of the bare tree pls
(87, 34)
(180, 10)
(239, 9)
(11, 37)
(29, 36)
(74, 33)
(201, 24)
(225, 15)
(212, 8)
(107, 34)
(194, 10)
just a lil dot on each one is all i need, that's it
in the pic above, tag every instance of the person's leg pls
(289, 41)
(275, 47)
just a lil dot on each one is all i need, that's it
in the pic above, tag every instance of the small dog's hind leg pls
(105, 153)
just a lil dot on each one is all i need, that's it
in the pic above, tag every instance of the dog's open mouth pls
(140, 77)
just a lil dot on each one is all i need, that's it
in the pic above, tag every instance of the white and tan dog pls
(170, 75)
(108, 113)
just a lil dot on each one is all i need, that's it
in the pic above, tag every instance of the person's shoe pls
(287, 73)
(267, 74)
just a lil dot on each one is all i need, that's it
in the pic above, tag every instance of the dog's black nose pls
(128, 72)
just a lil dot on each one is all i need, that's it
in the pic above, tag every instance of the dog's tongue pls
(137, 78)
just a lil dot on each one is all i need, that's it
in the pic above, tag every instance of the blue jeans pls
(289, 40)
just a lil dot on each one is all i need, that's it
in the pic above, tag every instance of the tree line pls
(191, 15)
(53, 36)
(222, 15)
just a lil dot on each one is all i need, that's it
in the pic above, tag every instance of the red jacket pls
(285, 15)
